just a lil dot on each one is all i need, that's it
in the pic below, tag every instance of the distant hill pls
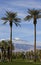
(21, 45)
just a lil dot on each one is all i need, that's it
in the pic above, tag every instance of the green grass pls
(19, 62)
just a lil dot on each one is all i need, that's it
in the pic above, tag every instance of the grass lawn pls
(19, 62)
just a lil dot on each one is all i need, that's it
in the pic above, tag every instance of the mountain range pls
(21, 45)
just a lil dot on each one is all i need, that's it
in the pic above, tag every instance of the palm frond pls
(17, 24)
(33, 11)
(28, 18)
(11, 17)
(4, 18)
(5, 22)
(39, 16)
(11, 14)
(17, 19)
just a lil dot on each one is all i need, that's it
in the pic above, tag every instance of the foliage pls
(6, 44)
(12, 18)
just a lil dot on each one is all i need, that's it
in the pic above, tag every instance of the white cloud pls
(17, 38)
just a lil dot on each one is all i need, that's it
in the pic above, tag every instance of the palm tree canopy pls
(12, 18)
(33, 14)
(6, 43)
(3, 43)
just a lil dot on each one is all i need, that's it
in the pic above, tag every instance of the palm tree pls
(11, 17)
(3, 49)
(8, 42)
(33, 14)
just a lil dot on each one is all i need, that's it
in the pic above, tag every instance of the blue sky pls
(26, 31)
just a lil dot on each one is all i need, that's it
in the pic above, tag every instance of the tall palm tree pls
(11, 17)
(33, 14)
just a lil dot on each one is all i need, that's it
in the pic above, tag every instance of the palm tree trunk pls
(10, 43)
(34, 42)
(1, 56)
